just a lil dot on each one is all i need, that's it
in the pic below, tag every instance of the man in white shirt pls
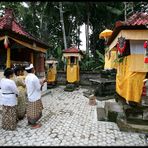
(34, 105)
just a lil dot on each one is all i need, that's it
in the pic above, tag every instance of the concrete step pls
(137, 121)
(112, 109)
(129, 127)
(101, 115)
(104, 98)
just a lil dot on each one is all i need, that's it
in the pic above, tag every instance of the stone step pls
(129, 127)
(139, 121)
(105, 98)
(101, 115)
(106, 89)
(112, 109)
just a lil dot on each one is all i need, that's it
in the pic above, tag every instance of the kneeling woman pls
(9, 100)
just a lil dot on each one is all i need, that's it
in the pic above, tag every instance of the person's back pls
(9, 100)
(8, 89)
(33, 87)
(34, 105)
(20, 82)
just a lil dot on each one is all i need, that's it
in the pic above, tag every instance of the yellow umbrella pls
(105, 34)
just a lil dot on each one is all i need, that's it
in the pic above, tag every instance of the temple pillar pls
(8, 62)
(40, 64)
(32, 58)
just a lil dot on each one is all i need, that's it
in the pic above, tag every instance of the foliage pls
(57, 52)
(90, 63)
(119, 59)
(42, 19)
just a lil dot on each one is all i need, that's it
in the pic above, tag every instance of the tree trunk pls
(78, 34)
(41, 19)
(87, 31)
(62, 23)
(87, 36)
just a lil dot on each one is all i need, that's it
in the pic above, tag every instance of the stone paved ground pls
(68, 120)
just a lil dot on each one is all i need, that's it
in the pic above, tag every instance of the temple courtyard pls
(69, 120)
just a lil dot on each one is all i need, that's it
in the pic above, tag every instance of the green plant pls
(91, 63)
(119, 59)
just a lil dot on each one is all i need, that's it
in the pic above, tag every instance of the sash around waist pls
(7, 93)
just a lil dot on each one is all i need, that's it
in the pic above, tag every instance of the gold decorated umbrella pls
(105, 34)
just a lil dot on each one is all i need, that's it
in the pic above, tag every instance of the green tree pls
(42, 19)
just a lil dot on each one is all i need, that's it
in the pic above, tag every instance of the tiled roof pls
(72, 50)
(139, 18)
(8, 22)
(16, 28)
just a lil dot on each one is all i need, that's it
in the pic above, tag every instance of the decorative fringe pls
(145, 44)
(146, 60)
(6, 42)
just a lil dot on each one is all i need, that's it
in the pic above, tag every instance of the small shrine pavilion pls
(128, 40)
(72, 55)
(17, 46)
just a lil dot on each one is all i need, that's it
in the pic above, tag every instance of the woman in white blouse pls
(9, 100)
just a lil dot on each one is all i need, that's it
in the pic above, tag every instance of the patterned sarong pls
(21, 107)
(34, 111)
(9, 117)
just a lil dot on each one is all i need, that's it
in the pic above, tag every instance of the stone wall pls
(84, 77)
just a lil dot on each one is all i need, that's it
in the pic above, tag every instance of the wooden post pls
(32, 58)
(8, 62)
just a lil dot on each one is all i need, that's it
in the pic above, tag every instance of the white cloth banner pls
(136, 47)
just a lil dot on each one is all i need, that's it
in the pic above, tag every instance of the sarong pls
(21, 107)
(34, 111)
(9, 117)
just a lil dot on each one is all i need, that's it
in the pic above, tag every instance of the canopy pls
(105, 34)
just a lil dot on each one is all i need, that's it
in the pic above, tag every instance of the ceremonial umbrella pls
(105, 34)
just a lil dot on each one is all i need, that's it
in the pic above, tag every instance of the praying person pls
(20, 82)
(34, 106)
(9, 100)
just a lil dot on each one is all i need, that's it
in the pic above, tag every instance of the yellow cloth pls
(110, 62)
(72, 73)
(137, 63)
(51, 77)
(128, 83)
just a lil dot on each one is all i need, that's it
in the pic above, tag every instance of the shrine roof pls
(72, 50)
(139, 20)
(8, 23)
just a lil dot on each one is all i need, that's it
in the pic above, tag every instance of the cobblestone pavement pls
(68, 120)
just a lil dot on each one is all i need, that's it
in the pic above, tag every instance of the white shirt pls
(33, 87)
(8, 86)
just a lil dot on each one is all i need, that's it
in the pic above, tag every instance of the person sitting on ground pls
(9, 100)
